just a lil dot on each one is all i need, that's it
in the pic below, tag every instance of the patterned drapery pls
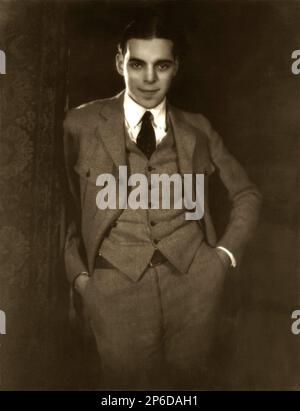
(33, 289)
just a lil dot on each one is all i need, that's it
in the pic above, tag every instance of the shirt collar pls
(134, 112)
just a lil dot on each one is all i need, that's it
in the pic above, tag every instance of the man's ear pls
(120, 63)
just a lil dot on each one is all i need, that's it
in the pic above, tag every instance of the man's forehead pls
(150, 49)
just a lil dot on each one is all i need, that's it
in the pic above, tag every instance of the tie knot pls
(147, 116)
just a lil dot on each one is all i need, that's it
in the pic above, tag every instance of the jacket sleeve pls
(243, 194)
(74, 251)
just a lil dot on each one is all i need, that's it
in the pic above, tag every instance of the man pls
(150, 279)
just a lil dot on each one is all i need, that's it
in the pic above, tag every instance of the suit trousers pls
(156, 333)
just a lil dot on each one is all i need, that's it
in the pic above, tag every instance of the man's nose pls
(150, 75)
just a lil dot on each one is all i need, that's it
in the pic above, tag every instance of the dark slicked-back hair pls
(149, 26)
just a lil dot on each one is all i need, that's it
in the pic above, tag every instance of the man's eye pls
(163, 67)
(135, 66)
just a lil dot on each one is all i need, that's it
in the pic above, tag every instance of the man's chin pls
(148, 101)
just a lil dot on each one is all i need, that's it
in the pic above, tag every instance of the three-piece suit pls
(153, 323)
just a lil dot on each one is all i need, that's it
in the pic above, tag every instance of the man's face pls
(148, 68)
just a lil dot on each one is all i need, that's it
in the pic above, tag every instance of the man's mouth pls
(149, 91)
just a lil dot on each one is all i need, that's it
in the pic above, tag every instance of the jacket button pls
(88, 173)
(156, 241)
(150, 168)
(152, 223)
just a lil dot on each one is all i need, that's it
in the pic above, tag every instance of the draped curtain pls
(33, 289)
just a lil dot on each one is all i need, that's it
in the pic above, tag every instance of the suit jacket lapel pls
(111, 129)
(185, 139)
(191, 144)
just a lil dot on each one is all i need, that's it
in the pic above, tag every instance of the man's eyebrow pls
(164, 61)
(136, 60)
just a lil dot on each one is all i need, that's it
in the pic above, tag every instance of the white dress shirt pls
(133, 115)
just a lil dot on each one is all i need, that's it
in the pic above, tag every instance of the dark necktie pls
(146, 141)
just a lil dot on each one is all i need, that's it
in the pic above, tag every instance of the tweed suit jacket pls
(94, 143)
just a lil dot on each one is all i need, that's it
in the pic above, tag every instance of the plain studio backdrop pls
(237, 72)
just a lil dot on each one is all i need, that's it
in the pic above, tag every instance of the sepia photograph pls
(150, 195)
